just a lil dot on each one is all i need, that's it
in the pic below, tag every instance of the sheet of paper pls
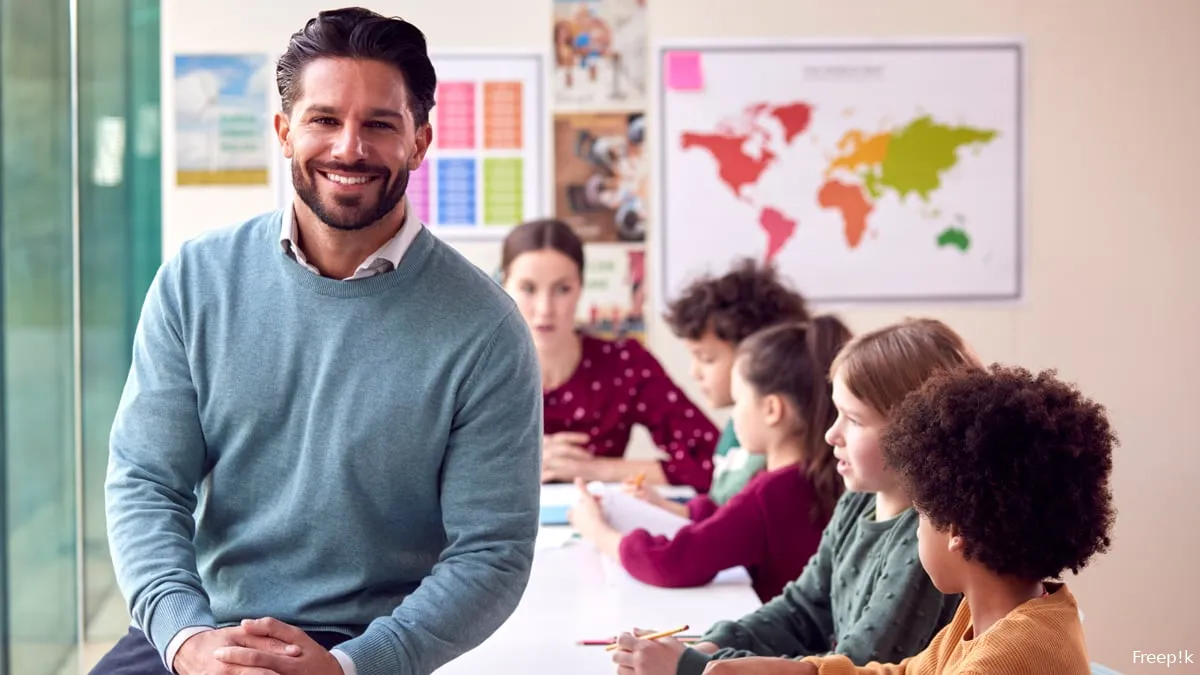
(626, 513)
(565, 494)
(676, 492)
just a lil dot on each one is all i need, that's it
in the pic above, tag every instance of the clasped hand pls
(256, 647)
(565, 458)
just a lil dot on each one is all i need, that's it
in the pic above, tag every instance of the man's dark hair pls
(1018, 464)
(357, 33)
(734, 306)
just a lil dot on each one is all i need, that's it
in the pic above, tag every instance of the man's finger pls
(265, 644)
(250, 658)
(274, 628)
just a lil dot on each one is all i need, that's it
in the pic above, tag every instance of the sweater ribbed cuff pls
(725, 634)
(373, 653)
(174, 612)
(692, 662)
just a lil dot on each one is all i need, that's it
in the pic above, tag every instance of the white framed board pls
(867, 171)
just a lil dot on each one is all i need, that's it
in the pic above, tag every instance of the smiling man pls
(326, 458)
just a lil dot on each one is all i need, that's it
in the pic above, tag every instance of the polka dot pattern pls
(620, 384)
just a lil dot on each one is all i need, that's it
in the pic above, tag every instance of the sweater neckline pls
(413, 260)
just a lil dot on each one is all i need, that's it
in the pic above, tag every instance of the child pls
(863, 595)
(712, 316)
(1009, 472)
(781, 407)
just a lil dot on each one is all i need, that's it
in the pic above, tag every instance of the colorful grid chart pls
(503, 116)
(503, 191)
(456, 191)
(455, 116)
(484, 168)
(418, 191)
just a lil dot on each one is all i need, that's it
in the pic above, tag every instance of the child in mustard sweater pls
(1010, 475)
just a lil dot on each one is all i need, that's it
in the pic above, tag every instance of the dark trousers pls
(134, 655)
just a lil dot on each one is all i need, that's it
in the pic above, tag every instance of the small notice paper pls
(684, 72)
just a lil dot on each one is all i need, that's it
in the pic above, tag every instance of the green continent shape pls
(921, 152)
(871, 182)
(952, 236)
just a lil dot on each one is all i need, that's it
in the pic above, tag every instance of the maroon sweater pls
(767, 527)
(620, 384)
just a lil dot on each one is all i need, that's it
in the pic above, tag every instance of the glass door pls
(80, 241)
(37, 282)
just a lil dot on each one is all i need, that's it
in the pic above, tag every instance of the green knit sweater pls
(863, 594)
(734, 467)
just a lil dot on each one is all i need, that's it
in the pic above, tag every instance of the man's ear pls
(424, 138)
(283, 128)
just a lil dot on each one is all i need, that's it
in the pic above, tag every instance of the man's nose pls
(349, 146)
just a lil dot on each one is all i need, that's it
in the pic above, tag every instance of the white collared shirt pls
(382, 261)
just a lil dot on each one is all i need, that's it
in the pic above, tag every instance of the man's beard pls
(350, 212)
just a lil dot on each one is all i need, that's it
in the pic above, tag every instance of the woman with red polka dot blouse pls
(596, 390)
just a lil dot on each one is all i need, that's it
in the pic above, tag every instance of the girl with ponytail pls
(781, 409)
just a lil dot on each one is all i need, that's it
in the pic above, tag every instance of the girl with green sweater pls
(864, 593)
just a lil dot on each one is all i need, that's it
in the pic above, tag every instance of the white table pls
(575, 594)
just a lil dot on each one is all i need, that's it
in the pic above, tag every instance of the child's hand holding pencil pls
(636, 487)
(649, 494)
(648, 654)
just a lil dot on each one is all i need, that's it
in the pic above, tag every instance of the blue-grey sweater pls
(357, 456)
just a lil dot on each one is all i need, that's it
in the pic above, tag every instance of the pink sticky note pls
(684, 72)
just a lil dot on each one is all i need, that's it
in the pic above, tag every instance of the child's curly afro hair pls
(1018, 464)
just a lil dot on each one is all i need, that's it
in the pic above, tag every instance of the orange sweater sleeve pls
(1043, 636)
(840, 665)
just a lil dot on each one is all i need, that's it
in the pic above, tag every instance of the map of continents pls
(909, 159)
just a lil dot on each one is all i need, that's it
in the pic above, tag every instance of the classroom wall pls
(1112, 165)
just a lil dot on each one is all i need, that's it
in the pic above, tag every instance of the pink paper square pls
(418, 191)
(684, 72)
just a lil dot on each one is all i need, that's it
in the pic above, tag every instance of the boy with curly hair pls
(712, 316)
(1009, 472)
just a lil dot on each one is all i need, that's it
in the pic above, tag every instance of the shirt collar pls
(385, 259)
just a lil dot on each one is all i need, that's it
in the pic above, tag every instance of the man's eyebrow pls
(374, 112)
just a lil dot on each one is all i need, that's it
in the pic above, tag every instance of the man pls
(326, 458)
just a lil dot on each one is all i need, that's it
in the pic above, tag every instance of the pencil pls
(639, 479)
(652, 636)
(608, 641)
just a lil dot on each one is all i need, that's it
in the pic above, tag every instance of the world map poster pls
(872, 172)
